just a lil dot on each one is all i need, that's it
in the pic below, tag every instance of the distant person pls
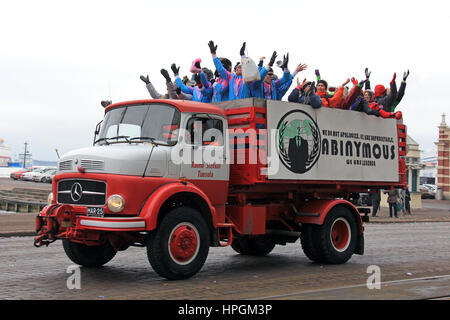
(376, 199)
(407, 200)
(392, 200)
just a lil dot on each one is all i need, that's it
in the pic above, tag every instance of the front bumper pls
(68, 222)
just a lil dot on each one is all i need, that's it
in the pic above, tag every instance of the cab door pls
(205, 143)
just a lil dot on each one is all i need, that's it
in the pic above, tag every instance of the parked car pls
(427, 191)
(28, 176)
(45, 176)
(18, 174)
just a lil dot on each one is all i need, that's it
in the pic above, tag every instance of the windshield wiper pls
(143, 138)
(120, 137)
(102, 139)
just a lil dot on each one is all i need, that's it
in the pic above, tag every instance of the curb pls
(18, 234)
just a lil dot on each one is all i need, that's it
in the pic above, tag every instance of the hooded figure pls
(298, 154)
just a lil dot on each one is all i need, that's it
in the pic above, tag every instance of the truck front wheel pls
(88, 256)
(178, 248)
(259, 246)
(333, 242)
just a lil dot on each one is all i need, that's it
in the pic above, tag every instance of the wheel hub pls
(340, 234)
(183, 243)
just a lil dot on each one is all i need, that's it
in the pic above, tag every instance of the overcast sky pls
(59, 59)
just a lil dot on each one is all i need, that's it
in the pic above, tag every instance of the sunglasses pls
(270, 74)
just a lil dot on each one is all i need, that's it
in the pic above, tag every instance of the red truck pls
(178, 177)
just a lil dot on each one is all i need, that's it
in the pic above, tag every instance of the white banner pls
(331, 144)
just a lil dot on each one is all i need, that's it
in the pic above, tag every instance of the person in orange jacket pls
(332, 101)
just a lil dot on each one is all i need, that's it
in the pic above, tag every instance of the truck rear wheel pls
(333, 242)
(178, 248)
(260, 246)
(307, 242)
(88, 256)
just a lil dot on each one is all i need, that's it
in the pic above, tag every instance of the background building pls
(443, 171)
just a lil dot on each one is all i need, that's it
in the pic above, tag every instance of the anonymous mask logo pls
(298, 141)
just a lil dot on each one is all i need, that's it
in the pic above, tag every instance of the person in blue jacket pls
(237, 88)
(217, 88)
(305, 93)
(271, 86)
(268, 85)
(196, 91)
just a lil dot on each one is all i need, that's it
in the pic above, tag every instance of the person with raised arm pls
(237, 88)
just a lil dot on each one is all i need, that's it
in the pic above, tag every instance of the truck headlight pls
(50, 198)
(116, 203)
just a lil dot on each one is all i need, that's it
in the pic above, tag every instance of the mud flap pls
(359, 249)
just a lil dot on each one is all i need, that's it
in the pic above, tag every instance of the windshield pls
(157, 123)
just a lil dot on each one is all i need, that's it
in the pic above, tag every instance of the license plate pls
(95, 212)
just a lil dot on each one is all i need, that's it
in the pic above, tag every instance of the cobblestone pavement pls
(402, 251)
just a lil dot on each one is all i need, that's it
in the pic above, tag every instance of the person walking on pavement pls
(376, 198)
(407, 200)
(392, 199)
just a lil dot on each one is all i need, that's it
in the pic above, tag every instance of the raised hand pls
(346, 81)
(405, 75)
(272, 59)
(166, 75)
(301, 67)
(212, 47)
(175, 70)
(242, 52)
(285, 61)
(354, 81)
(145, 79)
(394, 77)
(367, 73)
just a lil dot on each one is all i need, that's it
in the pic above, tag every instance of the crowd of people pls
(227, 83)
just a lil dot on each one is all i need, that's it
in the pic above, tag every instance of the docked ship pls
(5, 154)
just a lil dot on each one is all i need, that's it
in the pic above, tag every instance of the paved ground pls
(414, 260)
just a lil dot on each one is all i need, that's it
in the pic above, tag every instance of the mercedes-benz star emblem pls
(76, 192)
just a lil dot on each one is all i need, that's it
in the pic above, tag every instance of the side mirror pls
(97, 130)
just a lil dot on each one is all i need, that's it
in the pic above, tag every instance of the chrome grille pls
(92, 164)
(82, 192)
(65, 165)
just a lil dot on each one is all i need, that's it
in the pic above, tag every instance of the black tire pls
(44, 180)
(165, 252)
(259, 246)
(307, 242)
(335, 241)
(88, 256)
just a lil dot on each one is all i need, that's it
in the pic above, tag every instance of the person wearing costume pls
(237, 88)
(196, 92)
(218, 88)
(271, 86)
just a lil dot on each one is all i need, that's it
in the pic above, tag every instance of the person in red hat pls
(383, 99)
